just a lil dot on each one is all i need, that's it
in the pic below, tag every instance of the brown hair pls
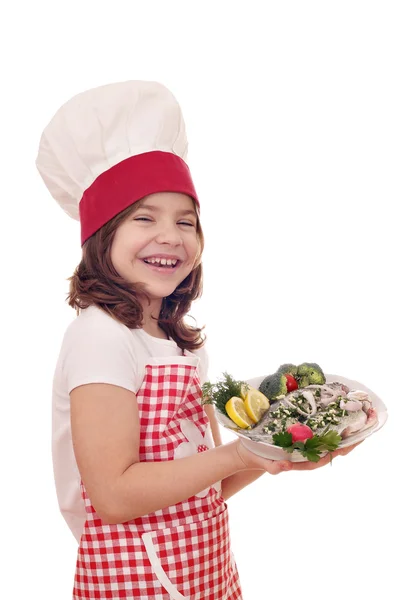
(96, 282)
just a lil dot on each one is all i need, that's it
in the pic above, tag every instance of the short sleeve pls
(98, 349)
(202, 353)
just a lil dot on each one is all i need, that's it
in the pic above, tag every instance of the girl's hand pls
(253, 461)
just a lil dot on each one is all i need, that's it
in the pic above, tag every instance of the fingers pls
(344, 451)
(285, 465)
(310, 466)
(249, 460)
(274, 467)
(279, 467)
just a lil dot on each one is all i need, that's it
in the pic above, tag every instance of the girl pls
(140, 471)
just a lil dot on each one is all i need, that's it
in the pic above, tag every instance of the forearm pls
(149, 486)
(234, 483)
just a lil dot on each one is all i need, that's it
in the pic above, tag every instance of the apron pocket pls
(158, 569)
(192, 561)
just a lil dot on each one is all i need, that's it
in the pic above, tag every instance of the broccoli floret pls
(273, 386)
(288, 368)
(311, 372)
(303, 382)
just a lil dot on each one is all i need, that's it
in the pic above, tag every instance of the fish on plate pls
(325, 406)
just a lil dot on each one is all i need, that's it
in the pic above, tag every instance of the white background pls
(292, 113)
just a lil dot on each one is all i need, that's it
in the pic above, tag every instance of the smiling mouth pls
(160, 268)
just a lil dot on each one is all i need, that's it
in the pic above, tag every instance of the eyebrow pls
(157, 209)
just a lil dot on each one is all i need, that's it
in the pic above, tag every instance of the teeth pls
(162, 261)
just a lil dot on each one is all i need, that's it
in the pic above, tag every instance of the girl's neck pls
(149, 324)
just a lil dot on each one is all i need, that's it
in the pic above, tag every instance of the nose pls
(169, 234)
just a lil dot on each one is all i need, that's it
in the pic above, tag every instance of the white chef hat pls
(112, 145)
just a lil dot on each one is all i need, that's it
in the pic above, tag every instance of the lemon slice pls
(244, 389)
(256, 404)
(237, 412)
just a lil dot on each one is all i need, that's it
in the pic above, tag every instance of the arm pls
(105, 436)
(236, 482)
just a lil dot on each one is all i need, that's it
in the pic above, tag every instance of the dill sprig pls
(219, 393)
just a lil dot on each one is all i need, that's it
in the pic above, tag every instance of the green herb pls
(311, 448)
(219, 393)
(284, 440)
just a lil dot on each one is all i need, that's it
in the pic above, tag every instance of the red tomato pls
(291, 383)
(300, 432)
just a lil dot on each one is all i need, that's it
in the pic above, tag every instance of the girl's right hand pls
(253, 461)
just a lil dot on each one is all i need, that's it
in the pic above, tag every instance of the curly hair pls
(96, 282)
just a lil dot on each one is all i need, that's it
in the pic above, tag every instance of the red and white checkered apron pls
(180, 552)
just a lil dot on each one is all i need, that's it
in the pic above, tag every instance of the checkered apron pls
(180, 552)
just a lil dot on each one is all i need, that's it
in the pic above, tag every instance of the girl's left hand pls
(310, 466)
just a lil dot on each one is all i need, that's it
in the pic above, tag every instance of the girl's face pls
(162, 227)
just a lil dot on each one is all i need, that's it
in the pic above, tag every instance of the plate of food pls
(298, 413)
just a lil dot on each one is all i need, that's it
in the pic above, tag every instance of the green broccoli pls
(303, 381)
(288, 368)
(273, 386)
(310, 373)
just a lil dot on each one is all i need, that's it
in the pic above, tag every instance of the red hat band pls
(129, 181)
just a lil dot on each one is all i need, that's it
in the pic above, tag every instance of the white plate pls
(277, 453)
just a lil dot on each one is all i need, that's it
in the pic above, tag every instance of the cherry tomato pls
(300, 432)
(291, 383)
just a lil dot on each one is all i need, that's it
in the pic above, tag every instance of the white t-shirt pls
(97, 349)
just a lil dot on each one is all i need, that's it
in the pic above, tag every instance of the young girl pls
(140, 471)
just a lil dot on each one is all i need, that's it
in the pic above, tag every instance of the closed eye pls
(149, 220)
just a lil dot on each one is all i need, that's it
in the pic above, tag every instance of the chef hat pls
(112, 145)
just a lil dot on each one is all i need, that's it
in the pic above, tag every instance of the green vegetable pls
(288, 368)
(273, 386)
(312, 448)
(305, 374)
(219, 393)
(303, 381)
(310, 372)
